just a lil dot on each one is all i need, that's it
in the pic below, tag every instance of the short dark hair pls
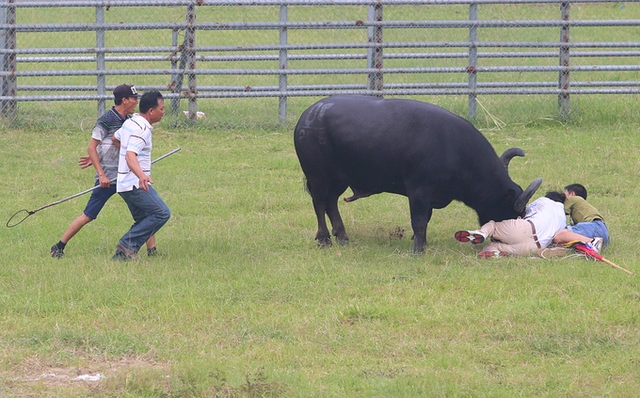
(577, 189)
(556, 196)
(149, 100)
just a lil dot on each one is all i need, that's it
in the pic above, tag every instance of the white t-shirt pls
(134, 136)
(548, 217)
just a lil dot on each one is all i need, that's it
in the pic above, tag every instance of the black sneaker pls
(119, 256)
(124, 253)
(153, 252)
(56, 252)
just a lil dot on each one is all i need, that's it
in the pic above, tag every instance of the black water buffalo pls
(405, 147)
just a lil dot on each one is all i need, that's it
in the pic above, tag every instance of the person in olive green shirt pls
(585, 218)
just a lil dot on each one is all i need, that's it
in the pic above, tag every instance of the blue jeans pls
(591, 230)
(98, 199)
(149, 213)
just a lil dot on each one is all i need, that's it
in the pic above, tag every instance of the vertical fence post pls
(100, 60)
(473, 59)
(564, 81)
(190, 48)
(282, 83)
(374, 53)
(4, 55)
(9, 82)
(176, 76)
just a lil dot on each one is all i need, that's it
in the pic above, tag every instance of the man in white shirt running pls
(103, 155)
(149, 212)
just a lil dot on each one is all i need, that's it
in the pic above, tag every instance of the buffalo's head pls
(512, 203)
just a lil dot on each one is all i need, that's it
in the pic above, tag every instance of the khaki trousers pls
(514, 237)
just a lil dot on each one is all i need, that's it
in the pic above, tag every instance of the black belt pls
(535, 237)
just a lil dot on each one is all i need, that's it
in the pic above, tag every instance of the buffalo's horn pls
(510, 153)
(524, 198)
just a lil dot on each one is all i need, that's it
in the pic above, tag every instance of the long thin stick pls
(616, 266)
(165, 155)
(31, 212)
(96, 186)
(586, 250)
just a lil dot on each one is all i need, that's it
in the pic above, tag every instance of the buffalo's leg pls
(421, 211)
(333, 212)
(320, 205)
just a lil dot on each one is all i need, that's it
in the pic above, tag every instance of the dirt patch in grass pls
(35, 374)
(130, 376)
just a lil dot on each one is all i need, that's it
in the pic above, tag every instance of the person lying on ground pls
(542, 220)
(585, 218)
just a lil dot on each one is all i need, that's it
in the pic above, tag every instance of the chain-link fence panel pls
(242, 63)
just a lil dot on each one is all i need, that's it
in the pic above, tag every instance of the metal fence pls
(194, 50)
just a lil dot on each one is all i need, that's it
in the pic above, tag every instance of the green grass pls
(243, 303)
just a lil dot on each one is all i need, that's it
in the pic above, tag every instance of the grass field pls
(243, 303)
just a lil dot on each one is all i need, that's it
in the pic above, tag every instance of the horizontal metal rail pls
(303, 47)
(329, 92)
(201, 3)
(326, 71)
(318, 57)
(312, 25)
(603, 83)
(350, 86)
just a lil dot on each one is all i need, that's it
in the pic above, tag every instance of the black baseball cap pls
(124, 91)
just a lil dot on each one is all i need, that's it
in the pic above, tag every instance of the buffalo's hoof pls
(324, 242)
(342, 241)
(418, 250)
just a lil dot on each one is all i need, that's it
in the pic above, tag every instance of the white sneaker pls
(596, 244)
(475, 237)
(491, 254)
